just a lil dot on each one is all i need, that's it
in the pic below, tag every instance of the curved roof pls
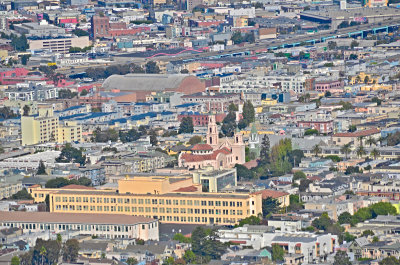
(202, 147)
(144, 82)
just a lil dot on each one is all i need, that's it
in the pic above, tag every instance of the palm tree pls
(360, 139)
(371, 141)
(375, 153)
(42, 253)
(346, 149)
(381, 140)
(317, 149)
(360, 151)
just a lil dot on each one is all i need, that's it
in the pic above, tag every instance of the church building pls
(217, 152)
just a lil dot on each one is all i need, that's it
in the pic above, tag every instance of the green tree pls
(41, 169)
(341, 258)
(248, 112)
(345, 218)
(186, 125)
(243, 173)
(195, 140)
(375, 153)
(71, 250)
(367, 233)
(265, 149)
(391, 260)
(295, 203)
(189, 257)
(26, 109)
(375, 239)
(237, 37)
(304, 184)
(152, 68)
(242, 124)
(84, 181)
(251, 220)
(131, 261)
(153, 139)
(229, 124)
(57, 183)
(205, 245)
(181, 238)
(25, 59)
(15, 260)
(232, 107)
(80, 33)
(6, 113)
(59, 238)
(277, 252)
(129, 136)
(360, 151)
(66, 94)
(299, 175)
(323, 222)
(84, 92)
(71, 154)
(311, 132)
(316, 150)
(345, 149)
(270, 206)
(22, 195)
(249, 37)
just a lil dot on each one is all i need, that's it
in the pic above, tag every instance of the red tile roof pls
(358, 133)
(77, 187)
(201, 147)
(197, 158)
(271, 193)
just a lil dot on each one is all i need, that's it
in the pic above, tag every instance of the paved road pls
(264, 44)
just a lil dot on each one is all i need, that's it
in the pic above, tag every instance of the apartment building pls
(167, 199)
(103, 225)
(213, 103)
(45, 127)
(61, 45)
(8, 189)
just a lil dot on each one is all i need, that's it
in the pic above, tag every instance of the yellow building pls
(45, 128)
(269, 102)
(168, 199)
(363, 78)
(376, 87)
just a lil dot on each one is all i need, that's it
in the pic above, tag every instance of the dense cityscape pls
(174, 132)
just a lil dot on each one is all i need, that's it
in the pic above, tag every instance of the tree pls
(360, 151)
(66, 94)
(105, 136)
(242, 124)
(366, 80)
(229, 124)
(299, 175)
(152, 68)
(243, 173)
(153, 139)
(353, 56)
(22, 195)
(393, 139)
(377, 100)
(195, 140)
(237, 37)
(84, 92)
(344, 218)
(391, 260)
(341, 258)
(323, 222)
(129, 136)
(311, 132)
(295, 203)
(249, 37)
(332, 45)
(205, 245)
(15, 260)
(6, 113)
(277, 252)
(71, 154)
(316, 150)
(346, 150)
(25, 59)
(265, 149)
(186, 125)
(371, 141)
(80, 33)
(232, 107)
(84, 181)
(41, 169)
(26, 110)
(19, 43)
(251, 220)
(270, 206)
(189, 257)
(131, 261)
(375, 153)
(70, 250)
(248, 112)
(367, 233)
(181, 238)
(57, 183)
(354, 44)
(259, 5)
(59, 238)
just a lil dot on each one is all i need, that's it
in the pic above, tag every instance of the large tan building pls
(46, 128)
(61, 45)
(168, 199)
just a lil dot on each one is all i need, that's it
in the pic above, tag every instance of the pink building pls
(218, 152)
(320, 126)
(328, 86)
(12, 76)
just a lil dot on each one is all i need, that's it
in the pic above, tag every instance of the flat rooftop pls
(81, 218)
(351, 13)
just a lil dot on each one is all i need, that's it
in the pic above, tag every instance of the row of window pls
(162, 210)
(150, 201)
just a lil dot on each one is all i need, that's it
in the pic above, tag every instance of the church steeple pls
(212, 132)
